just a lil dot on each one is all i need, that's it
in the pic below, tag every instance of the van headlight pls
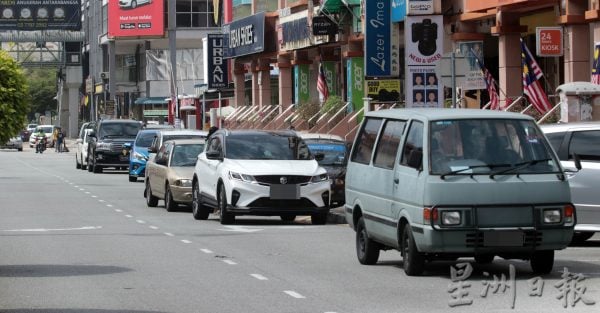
(242, 177)
(183, 183)
(450, 218)
(319, 178)
(552, 216)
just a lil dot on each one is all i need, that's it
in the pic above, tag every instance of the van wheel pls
(226, 218)
(151, 200)
(542, 261)
(199, 211)
(413, 261)
(367, 250)
(484, 258)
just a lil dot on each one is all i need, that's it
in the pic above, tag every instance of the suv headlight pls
(450, 218)
(102, 146)
(183, 183)
(242, 177)
(140, 157)
(319, 178)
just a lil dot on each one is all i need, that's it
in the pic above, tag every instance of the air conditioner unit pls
(104, 75)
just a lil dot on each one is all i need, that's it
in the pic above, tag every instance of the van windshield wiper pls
(462, 169)
(519, 166)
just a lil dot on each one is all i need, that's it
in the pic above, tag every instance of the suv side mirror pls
(214, 155)
(319, 156)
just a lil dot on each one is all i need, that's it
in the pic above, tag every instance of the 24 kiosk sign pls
(548, 41)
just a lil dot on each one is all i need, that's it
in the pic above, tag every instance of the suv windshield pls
(490, 146)
(266, 146)
(145, 139)
(334, 152)
(119, 129)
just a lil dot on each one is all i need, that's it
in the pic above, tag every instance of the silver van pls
(449, 183)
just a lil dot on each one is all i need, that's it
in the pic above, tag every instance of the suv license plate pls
(503, 239)
(284, 192)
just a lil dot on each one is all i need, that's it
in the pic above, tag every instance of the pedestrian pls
(60, 138)
(55, 138)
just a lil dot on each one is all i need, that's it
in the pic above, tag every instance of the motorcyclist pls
(40, 139)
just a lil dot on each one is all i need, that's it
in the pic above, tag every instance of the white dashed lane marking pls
(229, 262)
(153, 227)
(118, 210)
(94, 196)
(206, 251)
(259, 276)
(109, 205)
(141, 222)
(294, 294)
(169, 234)
(100, 200)
(128, 216)
(185, 241)
(81, 189)
(87, 192)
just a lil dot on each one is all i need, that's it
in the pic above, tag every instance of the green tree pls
(14, 97)
(42, 83)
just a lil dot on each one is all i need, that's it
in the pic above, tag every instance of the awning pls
(332, 6)
(151, 100)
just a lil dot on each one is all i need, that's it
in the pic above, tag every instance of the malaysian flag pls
(596, 68)
(531, 81)
(490, 84)
(322, 84)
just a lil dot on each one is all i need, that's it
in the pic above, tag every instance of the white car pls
(13, 143)
(81, 155)
(48, 131)
(132, 3)
(251, 172)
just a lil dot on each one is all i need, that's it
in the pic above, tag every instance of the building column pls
(509, 56)
(285, 83)
(264, 87)
(239, 83)
(577, 53)
(255, 96)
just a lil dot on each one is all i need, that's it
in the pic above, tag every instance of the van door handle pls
(396, 180)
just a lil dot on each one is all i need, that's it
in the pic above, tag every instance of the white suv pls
(250, 172)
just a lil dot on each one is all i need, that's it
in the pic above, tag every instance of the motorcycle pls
(40, 144)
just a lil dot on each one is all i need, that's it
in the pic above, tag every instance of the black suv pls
(105, 148)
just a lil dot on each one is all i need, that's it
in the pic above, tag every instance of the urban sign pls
(40, 15)
(125, 20)
(549, 41)
(355, 82)
(216, 64)
(385, 90)
(398, 10)
(322, 25)
(378, 28)
(420, 7)
(301, 81)
(244, 36)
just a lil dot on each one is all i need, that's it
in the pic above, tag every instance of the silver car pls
(583, 139)
(13, 143)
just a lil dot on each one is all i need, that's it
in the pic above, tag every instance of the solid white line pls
(294, 294)
(140, 221)
(259, 276)
(206, 251)
(169, 234)
(128, 216)
(229, 262)
(109, 205)
(153, 227)
(54, 229)
(185, 241)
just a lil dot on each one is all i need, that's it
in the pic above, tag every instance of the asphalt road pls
(73, 241)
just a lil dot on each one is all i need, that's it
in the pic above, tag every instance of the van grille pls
(531, 239)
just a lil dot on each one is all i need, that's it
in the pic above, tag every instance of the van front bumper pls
(490, 240)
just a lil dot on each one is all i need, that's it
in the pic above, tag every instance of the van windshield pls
(488, 146)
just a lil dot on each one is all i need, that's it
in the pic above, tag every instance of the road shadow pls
(74, 311)
(588, 243)
(58, 270)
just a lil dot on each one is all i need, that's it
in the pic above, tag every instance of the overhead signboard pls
(296, 34)
(378, 29)
(217, 76)
(244, 36)
(322, 25)
(40, 15)
(549, 41)
(135, 19)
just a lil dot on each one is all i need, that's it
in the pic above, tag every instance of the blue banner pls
(40, 15)
(245, 36)
(217, 65)
(398, 10)
(378, 28)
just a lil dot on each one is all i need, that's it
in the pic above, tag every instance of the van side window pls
(389, 141)
(365, 141)
(413, 146)
(585, 144)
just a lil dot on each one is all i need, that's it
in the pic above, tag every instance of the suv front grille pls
(276, 179)
(116, 146)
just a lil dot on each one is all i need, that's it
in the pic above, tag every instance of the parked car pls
(46, 129)
(13, 143)
(335, 159)
(82, 145)
(169, 174)
(581, 139)
(108, 138)
(251, 172)
(26, 133)
(448, 183)
(172, 134)
(138, 153)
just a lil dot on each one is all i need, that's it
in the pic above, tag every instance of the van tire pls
(413, 261)
(367, 250)
(542, 261)
(484, 258)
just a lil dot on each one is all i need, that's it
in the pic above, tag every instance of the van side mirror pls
(415, 159)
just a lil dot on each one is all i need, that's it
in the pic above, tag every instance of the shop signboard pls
(301, 81)
(424, 39)
(244, 36)
(471, 51)
(355, 82)
(296, 34)
(378, 28)
(217, 71)
(423, 88)
(146, 18)
(549, 41)
(398, 10)
(420, 7)
(384, 90)
(330, 76)
(40, 15)
(322, 25)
